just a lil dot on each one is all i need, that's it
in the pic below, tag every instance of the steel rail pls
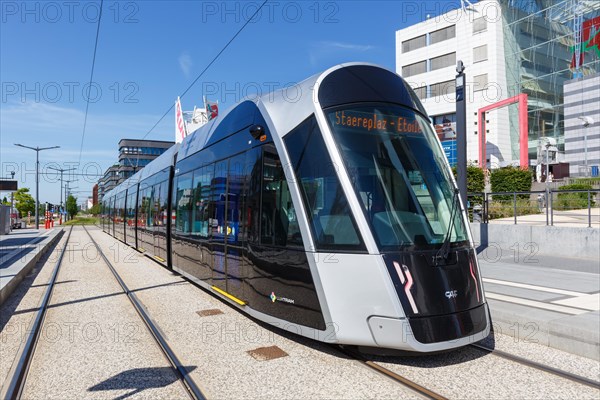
(192, 389)
(13, 388)
(391, 374)
(542, 367)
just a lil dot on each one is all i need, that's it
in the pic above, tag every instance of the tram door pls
(218, 224)
(234, 225)
(160, 220)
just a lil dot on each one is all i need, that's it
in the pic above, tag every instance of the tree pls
(72, 206)
(95, 210)
(24, 202)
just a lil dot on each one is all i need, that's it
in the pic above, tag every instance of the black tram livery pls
(333, 215)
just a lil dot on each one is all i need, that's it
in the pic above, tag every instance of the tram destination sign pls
(378, 122)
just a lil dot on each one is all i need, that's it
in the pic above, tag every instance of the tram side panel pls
(235, 229)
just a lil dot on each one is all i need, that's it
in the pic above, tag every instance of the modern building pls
(582, 132)
(109, 180)
(133, 155)
(136, 154)
(510, 48)
(95, 195)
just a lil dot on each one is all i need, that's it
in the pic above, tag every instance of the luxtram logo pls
(283, 299)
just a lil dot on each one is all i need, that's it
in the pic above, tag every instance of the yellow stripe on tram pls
(231, 297)
(160, 259)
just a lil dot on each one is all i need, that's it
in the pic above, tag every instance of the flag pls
(212, 109)
(180, 131)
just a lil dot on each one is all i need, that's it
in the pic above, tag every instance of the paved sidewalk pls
(572, 218)
(19, 252)
(548, 300)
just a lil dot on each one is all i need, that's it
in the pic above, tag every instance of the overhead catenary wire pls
(87, 102)
(206, 68)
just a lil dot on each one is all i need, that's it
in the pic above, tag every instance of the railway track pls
(13, 387)
(430, 394)
(542, 367)
(191, 387)
(17, 376)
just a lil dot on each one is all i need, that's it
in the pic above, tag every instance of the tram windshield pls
(399, 174)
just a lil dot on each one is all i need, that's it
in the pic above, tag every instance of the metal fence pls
(549, 207)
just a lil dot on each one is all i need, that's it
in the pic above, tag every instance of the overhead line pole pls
(37, 178)
(61, 181)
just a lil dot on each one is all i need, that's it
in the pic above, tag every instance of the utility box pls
(4, 220)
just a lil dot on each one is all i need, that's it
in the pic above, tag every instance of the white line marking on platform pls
(589, 302)
(536, 304)
(534, 287)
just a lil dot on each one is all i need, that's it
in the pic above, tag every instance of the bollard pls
(515, 206)
(589, 210)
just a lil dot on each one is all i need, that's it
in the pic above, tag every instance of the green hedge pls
(587, 181)
(510, 179)
(573, 201)
(475, 182)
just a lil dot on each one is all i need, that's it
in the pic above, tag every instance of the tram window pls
(155, 206)
(235, 199)
(200, 207)
(160, 204)
(144, 200)
(131, 194)
(254, 174)
(279, 223)
(398, 173)
(183, 203)
(332, 223)
(121, 208)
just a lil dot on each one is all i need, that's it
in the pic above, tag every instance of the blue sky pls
(149, 52)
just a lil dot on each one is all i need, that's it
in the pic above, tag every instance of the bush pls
(505, 209)
(573, 201)
(586, 181)
(94, 210)
(475, 183)
(511, 179)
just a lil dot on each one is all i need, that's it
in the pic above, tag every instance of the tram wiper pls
(442, 253)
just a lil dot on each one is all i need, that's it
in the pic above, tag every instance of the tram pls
(333, 215)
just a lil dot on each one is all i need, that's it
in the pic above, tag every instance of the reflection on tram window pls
(184, 204)
(394, 163)
(279, 224)
(331, 221)
(201, 211)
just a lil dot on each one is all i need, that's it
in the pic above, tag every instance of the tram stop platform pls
(550, 300)
(19, 252)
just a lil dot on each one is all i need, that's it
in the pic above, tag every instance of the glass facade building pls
(547, 43)
(509, 48)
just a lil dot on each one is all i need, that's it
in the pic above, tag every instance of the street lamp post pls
(61, 181)
(586, 122)
(67, 193)
(37, 150)
(547, 176)
(461, 132)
